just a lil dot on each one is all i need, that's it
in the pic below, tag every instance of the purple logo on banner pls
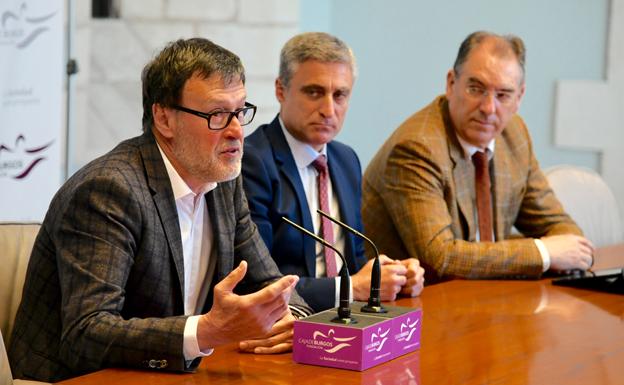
(19, 161)
(21, 29)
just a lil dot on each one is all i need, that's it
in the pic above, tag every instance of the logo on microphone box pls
(330, 343)
(407, 331)
(377, 340)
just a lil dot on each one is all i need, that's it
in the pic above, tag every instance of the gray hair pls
(505, 44)
(319, 46)
(164, 77)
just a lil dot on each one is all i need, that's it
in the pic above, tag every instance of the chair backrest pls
(5, 370)
(16, 242)
(589, 201)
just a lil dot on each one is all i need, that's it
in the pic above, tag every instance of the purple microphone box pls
(373, 339)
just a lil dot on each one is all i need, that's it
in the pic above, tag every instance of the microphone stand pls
(374, 299)
(344, 310)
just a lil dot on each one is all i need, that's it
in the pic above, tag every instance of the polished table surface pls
(474, 332)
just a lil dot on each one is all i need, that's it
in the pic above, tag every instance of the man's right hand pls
(568, 252)
(393, 277)
(236, 318)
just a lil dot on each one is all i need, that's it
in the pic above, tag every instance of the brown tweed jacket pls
(418, 195)
(105, 279)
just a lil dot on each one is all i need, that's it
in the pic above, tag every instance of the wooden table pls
(474, 332)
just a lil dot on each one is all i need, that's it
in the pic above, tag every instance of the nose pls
(234, 130)
(327, 108)
(488, 104)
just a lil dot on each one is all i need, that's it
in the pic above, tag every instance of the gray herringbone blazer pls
(105, 281)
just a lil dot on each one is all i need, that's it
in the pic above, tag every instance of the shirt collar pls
(470, 149)
(303, 153)
(178, 185)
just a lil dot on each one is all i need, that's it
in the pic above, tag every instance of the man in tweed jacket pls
(124, 268)
(419, 190)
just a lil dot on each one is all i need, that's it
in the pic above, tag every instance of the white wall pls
(403, 47)
(112, 52)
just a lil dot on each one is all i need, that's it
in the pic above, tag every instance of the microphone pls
(344, 310)
(374, 299)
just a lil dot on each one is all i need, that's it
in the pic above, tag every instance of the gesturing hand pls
(235, 318)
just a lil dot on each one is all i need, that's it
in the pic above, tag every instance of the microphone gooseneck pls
(374, 299)
(344, 310)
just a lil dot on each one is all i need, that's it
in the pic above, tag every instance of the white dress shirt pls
(304, 155)
(469, 150)
(196, 235)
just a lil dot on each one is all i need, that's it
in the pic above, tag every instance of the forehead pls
(492, 67)
(213, 89)
(337, 74)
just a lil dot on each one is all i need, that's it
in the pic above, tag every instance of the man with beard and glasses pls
(147, 256)
(453, 179)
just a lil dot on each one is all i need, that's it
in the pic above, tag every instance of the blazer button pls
(158, 364)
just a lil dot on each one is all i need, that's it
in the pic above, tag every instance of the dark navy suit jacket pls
(274, 189)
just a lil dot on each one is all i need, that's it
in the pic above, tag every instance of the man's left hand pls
(415, 277)
(278, 340)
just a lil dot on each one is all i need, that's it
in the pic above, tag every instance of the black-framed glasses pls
(221, 119)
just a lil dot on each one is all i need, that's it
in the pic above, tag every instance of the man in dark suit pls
(283, 178)
(124, 268)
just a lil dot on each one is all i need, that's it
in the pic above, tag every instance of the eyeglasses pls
(221, 119)
(478, 93)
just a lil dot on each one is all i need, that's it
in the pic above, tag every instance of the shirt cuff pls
(190, 346)
(544, 253)
(337, 293)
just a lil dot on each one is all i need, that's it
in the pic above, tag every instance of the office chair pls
(16, 242)
(589, 201)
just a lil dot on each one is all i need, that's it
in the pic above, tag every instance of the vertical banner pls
(32, 129)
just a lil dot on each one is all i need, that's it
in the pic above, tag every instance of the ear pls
(280, 90)
(450, 81)
(163, 120)
(521, 94)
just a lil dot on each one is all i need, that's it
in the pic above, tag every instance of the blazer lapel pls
(162, 194)
(464, 177)
(223, 237)
(288, 167)
(502, 182)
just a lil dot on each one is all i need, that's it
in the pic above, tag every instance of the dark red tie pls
(484, 195)
(320, 164)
